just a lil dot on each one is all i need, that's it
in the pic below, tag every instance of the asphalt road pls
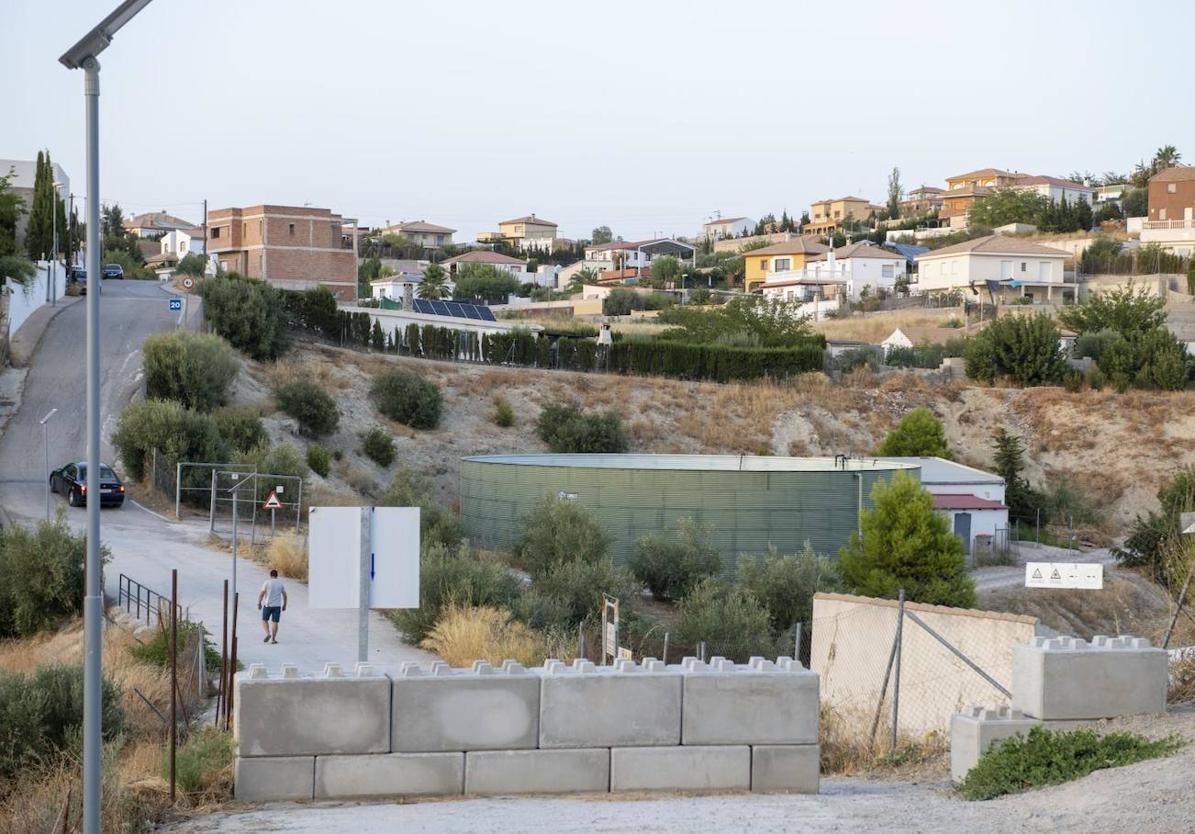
(144, 545)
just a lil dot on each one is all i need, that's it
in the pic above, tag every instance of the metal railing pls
(132, 595)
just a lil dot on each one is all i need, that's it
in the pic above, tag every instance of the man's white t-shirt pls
(273, 589)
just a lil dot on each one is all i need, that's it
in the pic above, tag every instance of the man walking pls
(273, 594)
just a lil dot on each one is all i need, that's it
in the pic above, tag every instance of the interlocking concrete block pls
(302, 715)
(976, 730)
(587, 706)
(1062, 678)
(391, 774)
(269, 779)
(721, 768)
(785, 768)
(760, 702)
(483, 708)
(538, 771)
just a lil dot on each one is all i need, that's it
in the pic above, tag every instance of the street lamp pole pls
(45, 436)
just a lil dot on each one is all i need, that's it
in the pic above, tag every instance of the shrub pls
(41, 577)
(919, 356)
(903, 543)
(247, 312)
(1024, 349)
(486, 282)
(785, 584)
(319, 460)
(409, 489)
(558, 531)
(378, 446)
(156, 650)
(283, 459)
(178, 433)
(504, 415)
(919, 434)
(570, 593)
(464, 634)
(311, 406)
(730, 620)
(671, 567)
(407, 398)
(203, 764)
(455, 576)
(862, 357)
(240, 426)
(287, 554)
(1152, 537)
(566, 428)
(193, 368)
(1048, 758)
(1072, 380)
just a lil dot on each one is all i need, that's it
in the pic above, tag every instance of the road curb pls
(21, 360)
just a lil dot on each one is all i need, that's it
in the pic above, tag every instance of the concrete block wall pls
(562, 728)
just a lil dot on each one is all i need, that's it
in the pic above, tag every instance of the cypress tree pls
(38, 234)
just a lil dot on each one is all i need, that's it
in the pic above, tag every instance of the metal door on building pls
(962, 529)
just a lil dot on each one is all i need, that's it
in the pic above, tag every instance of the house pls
(924, 200)
(908, 251)
(1057, 189)
(637, 254)
(154, 223)
(827, 216)
(526, 233)
(396, 315)
(178, 243)
(1171, 219)
(859, 265)
(897, 339)
(788, 256)
(544, 276)
(962, 190)
(1028, 269)
(724, 227)
(427, 235)
(291, 247)
(22, 174)
(818, 296)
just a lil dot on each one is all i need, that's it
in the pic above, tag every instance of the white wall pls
(25, 301)
(959, 270)
(983, 522)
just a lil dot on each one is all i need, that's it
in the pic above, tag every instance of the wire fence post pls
(665, 657)
(178, 489)
(900, 624)
(173, 676)
(797, 642)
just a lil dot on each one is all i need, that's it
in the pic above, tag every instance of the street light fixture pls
(45, 435)
(84, 55)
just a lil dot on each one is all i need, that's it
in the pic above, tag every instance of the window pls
(215, 232)
(1171, 188)
(763, 264)
(291, 229)
(887, 271)
(783, 264)
(1161, 214)
(1024, 266)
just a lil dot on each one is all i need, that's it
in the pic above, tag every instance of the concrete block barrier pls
(484, 708)
(1063, 678)
(761, 702)
(392, 774)
(271, 778)
(538, 771)
(624, 705)
(297, 715)
(785, 768)
(720, 768)
(977, 729)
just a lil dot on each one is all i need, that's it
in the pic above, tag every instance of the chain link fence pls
(246, 501)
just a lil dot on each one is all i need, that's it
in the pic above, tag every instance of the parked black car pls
(113, 271)
(71, 481)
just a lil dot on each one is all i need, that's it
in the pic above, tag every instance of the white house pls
(721, 227)
(972, 499)
(637, 254)
(859, 265)
(544, 276)
(1057, 189)
(428, 235)
(393, 287)
(178, 243)
(158, 222)
(1026, 268)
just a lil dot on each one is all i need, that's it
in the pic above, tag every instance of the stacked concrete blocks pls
(625, 705)
(976, 730)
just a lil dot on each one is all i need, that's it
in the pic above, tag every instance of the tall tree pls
(919, 434)
(433, 287)
(1166, 156)
(895, 193)
(39, 235)
(11, 209)
(601, 234)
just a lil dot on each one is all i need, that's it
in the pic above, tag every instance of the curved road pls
(144, 545)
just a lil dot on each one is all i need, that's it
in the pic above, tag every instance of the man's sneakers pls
(267, 639)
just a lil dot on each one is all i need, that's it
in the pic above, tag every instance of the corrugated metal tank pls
(751, 502)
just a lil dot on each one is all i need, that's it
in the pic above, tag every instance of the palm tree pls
(1166, 157)
(433, 286)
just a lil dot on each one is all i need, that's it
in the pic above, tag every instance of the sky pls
(648, 117)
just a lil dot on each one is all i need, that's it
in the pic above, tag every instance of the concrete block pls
(390, 774)
(1062, 678)
(303, 715)
(721, 768)
(538, 771)
(977, 729)
(269, 779)
(756, 703)
(785, 768)
(483, 708)
(587, 706)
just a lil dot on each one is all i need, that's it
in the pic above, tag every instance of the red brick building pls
(1172, 194)
(293, 248)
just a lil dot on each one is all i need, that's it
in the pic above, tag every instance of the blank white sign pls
(1082, 575)
(396, 558)
(334, 557)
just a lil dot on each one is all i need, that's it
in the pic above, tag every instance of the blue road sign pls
(176, 304)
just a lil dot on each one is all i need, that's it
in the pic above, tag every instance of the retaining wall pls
(435, 730)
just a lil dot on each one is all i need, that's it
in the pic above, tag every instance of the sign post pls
(272, 504)
(609, 628)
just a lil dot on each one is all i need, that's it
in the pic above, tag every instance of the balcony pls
(1167, 225)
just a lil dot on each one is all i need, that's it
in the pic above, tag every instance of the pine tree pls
(1083, 214)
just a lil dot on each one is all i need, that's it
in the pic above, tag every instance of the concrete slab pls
(757, 703)
(587, 706)
(294, 715)
(977, 729)
(721, 768)
(538, 771)
(483, 708)
(390, 774)
(1062, 678)
(269, 779)
(785, 768)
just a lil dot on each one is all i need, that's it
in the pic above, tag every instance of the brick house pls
(291, 247)
(1171, 220)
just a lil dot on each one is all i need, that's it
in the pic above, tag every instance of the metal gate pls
(239, 499)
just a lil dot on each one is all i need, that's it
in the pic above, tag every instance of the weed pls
(462, 635)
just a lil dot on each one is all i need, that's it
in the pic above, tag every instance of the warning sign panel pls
(1084, 576)
(272, 503)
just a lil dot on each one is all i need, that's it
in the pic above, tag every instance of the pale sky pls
(645, 116)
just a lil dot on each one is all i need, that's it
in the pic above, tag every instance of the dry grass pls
(463, 635)
(918, 325)
(1182, 681)
(287, 554)
(847, 747)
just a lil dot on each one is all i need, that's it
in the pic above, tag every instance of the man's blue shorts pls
(271, 612)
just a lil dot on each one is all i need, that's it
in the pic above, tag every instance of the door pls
(962, 529)
(1187, 214)
(1005, 270)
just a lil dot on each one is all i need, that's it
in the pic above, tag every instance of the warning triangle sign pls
(1037, 573)
(272, 503)
(1055, 574)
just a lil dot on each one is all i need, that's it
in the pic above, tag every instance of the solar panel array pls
(455, 309)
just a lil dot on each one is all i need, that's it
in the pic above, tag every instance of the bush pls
(407, 398)
(566, 428)
(283, 459)
(558, 531)
(1072, 380)
(311, 406)
(178, 433)
(156, 650)
(504, 415)
(287, 554)
(319, 460)
(1049, 758)
(247, 312)
(1024, 349)
(455, 576)
(41, 577)
(464, 634)
(919, 356)
(670, 568)
(730, 620)
(570, 593)
(919, 434)
(437, 526)
(378, 446)
(203, 764)
(193, 368)
(240, 426)
(486, 282)
(785, 584)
